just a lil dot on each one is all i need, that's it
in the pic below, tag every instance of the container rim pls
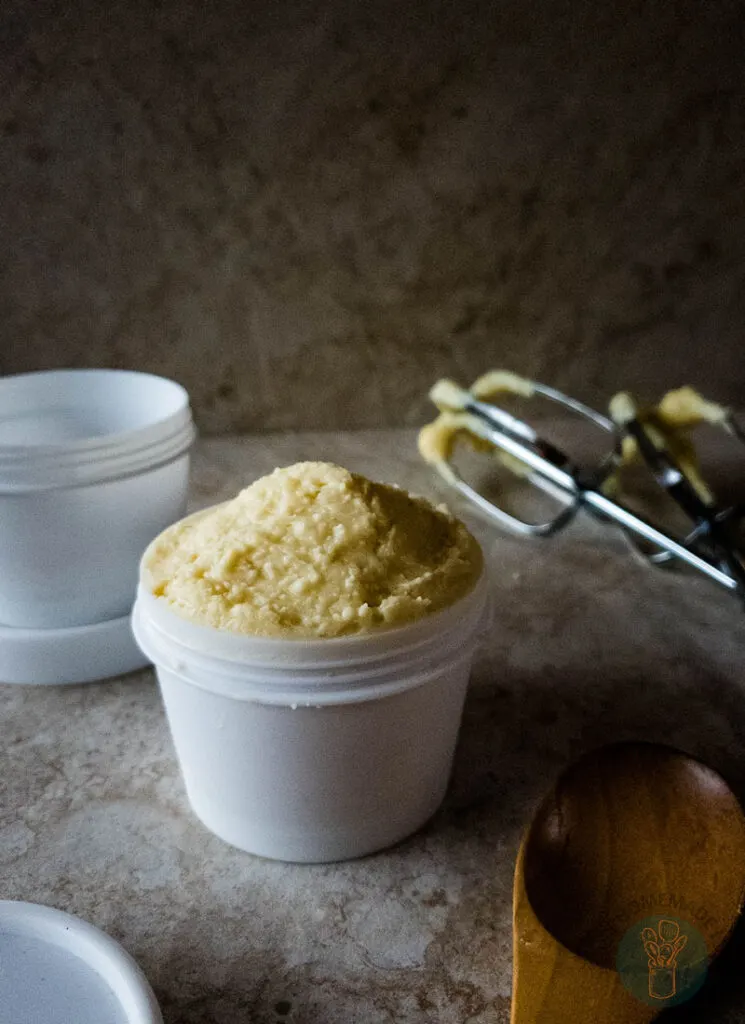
(297, 672)
(300, 651)
(61, 474)
(167, 430)
(108, 442)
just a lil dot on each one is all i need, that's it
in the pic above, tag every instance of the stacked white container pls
(93, 465)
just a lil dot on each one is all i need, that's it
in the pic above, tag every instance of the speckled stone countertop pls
(587, 646)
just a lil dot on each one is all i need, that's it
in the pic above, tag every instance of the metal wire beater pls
(713, 542)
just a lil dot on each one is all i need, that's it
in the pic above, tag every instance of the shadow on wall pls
(306, 212)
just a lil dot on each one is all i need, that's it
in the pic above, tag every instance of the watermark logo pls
(663, 961)
(663, 948)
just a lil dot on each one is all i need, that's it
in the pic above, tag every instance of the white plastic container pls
(93, 465)
(318, 750)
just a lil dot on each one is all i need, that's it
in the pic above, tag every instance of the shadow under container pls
(314, 750)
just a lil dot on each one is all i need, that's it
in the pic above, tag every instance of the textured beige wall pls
(308, 211)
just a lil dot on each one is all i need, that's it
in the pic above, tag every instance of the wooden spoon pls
(628, 832)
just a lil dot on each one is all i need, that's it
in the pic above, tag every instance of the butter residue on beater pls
(669, 425)
(312, 550)
(437, 440)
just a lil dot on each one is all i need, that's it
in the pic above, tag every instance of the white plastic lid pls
(57, 969)
(76, 654)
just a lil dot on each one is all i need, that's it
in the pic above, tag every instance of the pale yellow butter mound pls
(313, 550)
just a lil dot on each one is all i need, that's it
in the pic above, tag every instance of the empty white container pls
(313, 750)
(93, 465)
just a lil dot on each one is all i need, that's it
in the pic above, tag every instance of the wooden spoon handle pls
(551, 985)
